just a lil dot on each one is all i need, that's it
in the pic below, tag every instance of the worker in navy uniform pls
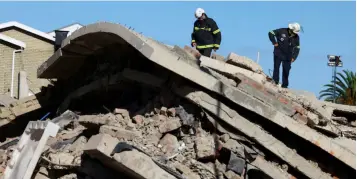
(286, 50)
(206, 35)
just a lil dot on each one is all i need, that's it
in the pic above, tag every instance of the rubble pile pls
(168, 112)
(169, 136)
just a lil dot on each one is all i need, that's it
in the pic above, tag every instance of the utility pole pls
(258, 58)
(334, 62)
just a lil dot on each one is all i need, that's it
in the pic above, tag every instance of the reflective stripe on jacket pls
(206, 34)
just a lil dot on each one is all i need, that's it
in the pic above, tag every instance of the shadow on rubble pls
(17, 126)
(47, 99)
(89, 168)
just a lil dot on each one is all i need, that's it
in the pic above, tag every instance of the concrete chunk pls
(169, 125)
(186, 171)
(119, 132)
(270, 169)
(244, 62)
(169, 144)
(230, 69)
(140, 165)
(133, 163)
(205, 147)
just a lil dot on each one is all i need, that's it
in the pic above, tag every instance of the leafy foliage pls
(345, 89)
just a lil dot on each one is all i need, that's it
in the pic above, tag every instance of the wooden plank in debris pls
(252, 130)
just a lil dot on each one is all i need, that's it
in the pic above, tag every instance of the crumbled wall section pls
(37, 51)
(18, 108)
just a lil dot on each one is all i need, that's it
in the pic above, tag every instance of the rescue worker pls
(206, 35)
(286, 50)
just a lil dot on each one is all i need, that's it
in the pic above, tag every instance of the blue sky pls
(330, 27)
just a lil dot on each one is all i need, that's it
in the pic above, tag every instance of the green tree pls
(345, 89)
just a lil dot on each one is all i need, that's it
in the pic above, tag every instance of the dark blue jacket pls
(288, 46)
(206, 34)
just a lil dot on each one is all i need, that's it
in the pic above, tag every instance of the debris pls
(169, 125)
(231, 175)
(138, 119)
(123, 112)
(205, 147)
(224, 137)
(235, 147)
(146, 110)
(187, 119)
(119, 132)
(236, 164)
(187, 172)
(171, 112)
(169, 144)
(61, 158)
(29, 149)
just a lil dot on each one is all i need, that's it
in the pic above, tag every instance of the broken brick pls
(138, 119)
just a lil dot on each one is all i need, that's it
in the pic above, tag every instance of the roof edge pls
(26, 28)
(12, 41)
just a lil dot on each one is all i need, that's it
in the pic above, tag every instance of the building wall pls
(5, 60)
(37, 51)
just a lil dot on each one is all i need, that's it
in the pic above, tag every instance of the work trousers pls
(205, 52)
(286, 70)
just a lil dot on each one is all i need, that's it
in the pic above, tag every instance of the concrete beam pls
(244, 62)
(230, 69)
(29, 149)
(247, 101)
(252, 130)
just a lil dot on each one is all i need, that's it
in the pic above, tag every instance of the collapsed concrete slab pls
(230, 69)
(269, 169)
(133, 163)
(100, 35)
(18, 108)
(253, 131)
(339, 107)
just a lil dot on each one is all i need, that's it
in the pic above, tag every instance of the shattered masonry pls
(130, 107)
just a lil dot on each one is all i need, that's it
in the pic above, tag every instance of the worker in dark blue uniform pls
(206, 35)
(286, 50)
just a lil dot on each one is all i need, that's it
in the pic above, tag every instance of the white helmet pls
(295, 27)
(199, 12)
